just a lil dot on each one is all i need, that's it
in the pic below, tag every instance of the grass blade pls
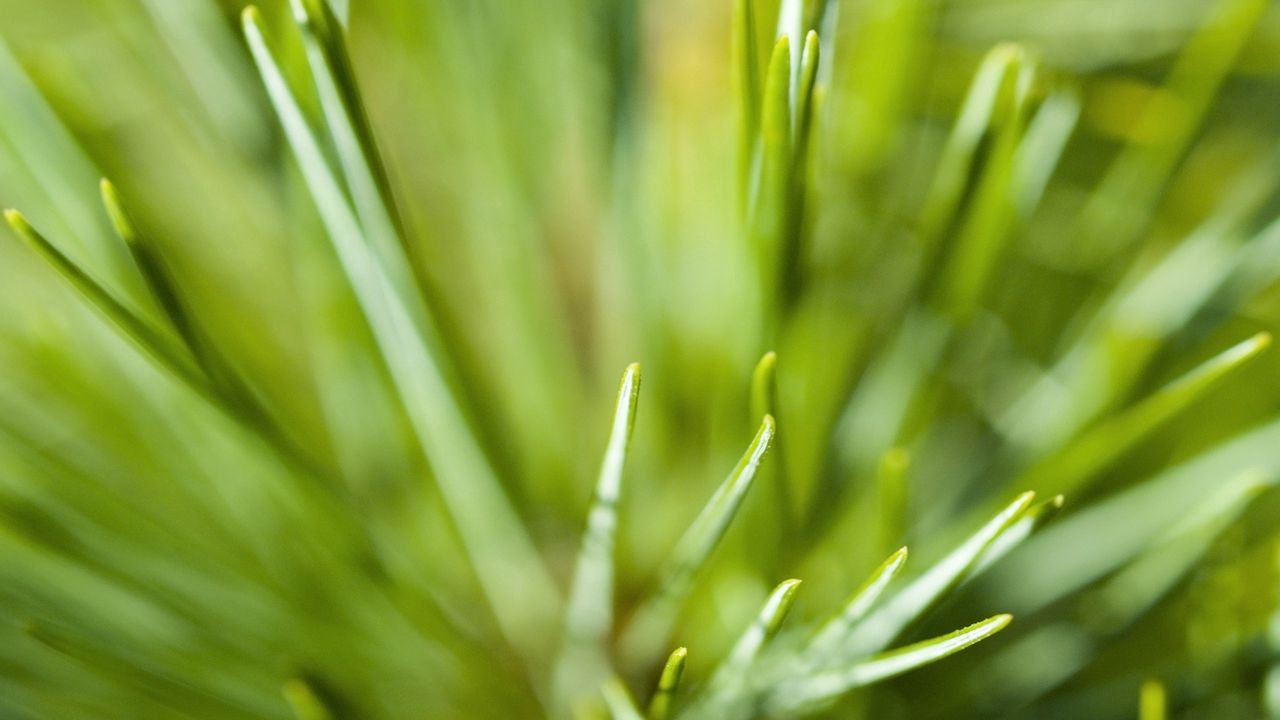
(589, 616)
(764, 387)
(807, 101)
(804, 114)
(304, 702)
(497, 544)
(880, 627)
(652, 622)
(775, 520)
(220, 382)
(766, 625)
(857, 607)
(163, 288)
(728, 694)
(1042, 147)
(1152, 703)
(768, 215)
(352, 134)
(892, 497)
(991, 210)
(827, 686)
(1039, 514)
(668, 684)
(52, 165)
(973, 123)
(590, 613)
(157, 279)
(1110, 534)
(1156, 301)
(1070, 469)
(141, 332)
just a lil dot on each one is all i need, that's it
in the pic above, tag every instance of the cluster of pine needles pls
(310, 418)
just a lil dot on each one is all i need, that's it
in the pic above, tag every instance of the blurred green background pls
(568, 171)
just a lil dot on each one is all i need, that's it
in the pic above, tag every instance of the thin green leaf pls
(43, 156)
(304, 702)
(1157, 300)
(807, 100)
(880, 627)
(973, 123)
(1042, 147)
(1118, 602)
(804, 114)
(764, 386)
(991, 210)
(221, 383)
(771, 194)
(826, 686)
(856, 608)
(496, 542)
(892, 497)
(652, 622)
(729, 694)
(765, 626)
(589, 616)
(710, 525)
(1152, 703)
(141, 332)
(1070, 469)
(352, 134)
(668, 684)
(775, 519)
(1108, 535)
(156, 275)
(1039, 514)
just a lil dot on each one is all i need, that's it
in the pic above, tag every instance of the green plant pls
(350, 475)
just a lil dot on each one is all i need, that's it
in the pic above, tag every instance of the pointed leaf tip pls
(313, 16)
(785, 593)
(17, 221)
(631, 377)
(834, 631)
(120, 219)
(653, 620)
(668, 684)
(251, 16)
(764, 385)
(811, 46)
(300, 13)
(304, 702)
(826, 686)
